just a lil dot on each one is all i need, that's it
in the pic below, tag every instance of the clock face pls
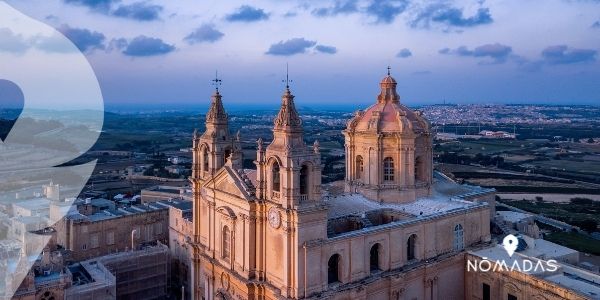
(274, 218)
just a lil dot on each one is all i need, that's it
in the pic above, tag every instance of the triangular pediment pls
(226, 181)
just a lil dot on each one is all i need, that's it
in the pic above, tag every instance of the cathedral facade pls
(393, 229)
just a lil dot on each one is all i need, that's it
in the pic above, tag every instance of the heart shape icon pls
(11, 106)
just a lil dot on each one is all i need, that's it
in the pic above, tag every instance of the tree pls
(581, 201)
(589, 225)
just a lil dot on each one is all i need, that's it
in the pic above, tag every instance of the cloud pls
(139, 11)
(246, 13)
(144, 46)
(117, 44)
(98, 5)
(596, 25)
(561, 54)
(404, 53)
(205, 33)
(291, 47)
(418, 73)
(326, 49)
(11, 42)
(51, 18)
(84, 39)
(54, 43)
(497, 52)
(340, 7)
(386, 11)
(290, 14)
(451, 16)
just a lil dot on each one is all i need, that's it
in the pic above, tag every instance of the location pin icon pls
(510, 244)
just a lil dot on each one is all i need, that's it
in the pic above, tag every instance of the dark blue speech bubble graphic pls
(11, 106)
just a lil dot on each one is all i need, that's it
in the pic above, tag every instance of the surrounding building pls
(53, 276)
(513, 222)
(567, 282)
(91, 280)
(140, 274)
(391, 230)
(165, 193)
(98, 227)
(181, 230)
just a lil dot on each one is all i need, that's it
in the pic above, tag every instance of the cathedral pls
(393, 229)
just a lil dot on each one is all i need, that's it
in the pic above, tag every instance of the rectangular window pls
(84, 247)
(159, 229)
(486, 292)
(512, 297)
(149, 232)
(110, 238)
(226, 243)
(388, 169)
(94, 240)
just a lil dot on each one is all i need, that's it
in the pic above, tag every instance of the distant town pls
(133, 220)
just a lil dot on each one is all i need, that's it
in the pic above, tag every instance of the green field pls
(486, 146)
(570, 165)
(575, 241)
(567, 212)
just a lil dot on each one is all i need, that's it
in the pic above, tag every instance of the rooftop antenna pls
(287, 76)
(216, 81)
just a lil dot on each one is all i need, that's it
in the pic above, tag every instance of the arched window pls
(205, 159)
(374, 257)
(276, 178)
(48, 296)
(388, 169)
(411, 245)
(359, 167)
(304, 180)
(226, 243)
(459, 242)
(333, 269)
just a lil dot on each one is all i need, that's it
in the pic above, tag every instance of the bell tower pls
(289, 183)
(289, 171)
(216, 145)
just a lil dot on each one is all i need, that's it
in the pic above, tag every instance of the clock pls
(274, 217)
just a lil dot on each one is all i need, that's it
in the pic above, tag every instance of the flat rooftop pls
(357, 204)
(351, 213)
(118, 212)
(547, 249)
(446, 197)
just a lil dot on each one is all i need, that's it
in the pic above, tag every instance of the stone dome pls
(388, 80)
(388, 115)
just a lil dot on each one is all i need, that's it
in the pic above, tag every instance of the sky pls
(164, 53)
